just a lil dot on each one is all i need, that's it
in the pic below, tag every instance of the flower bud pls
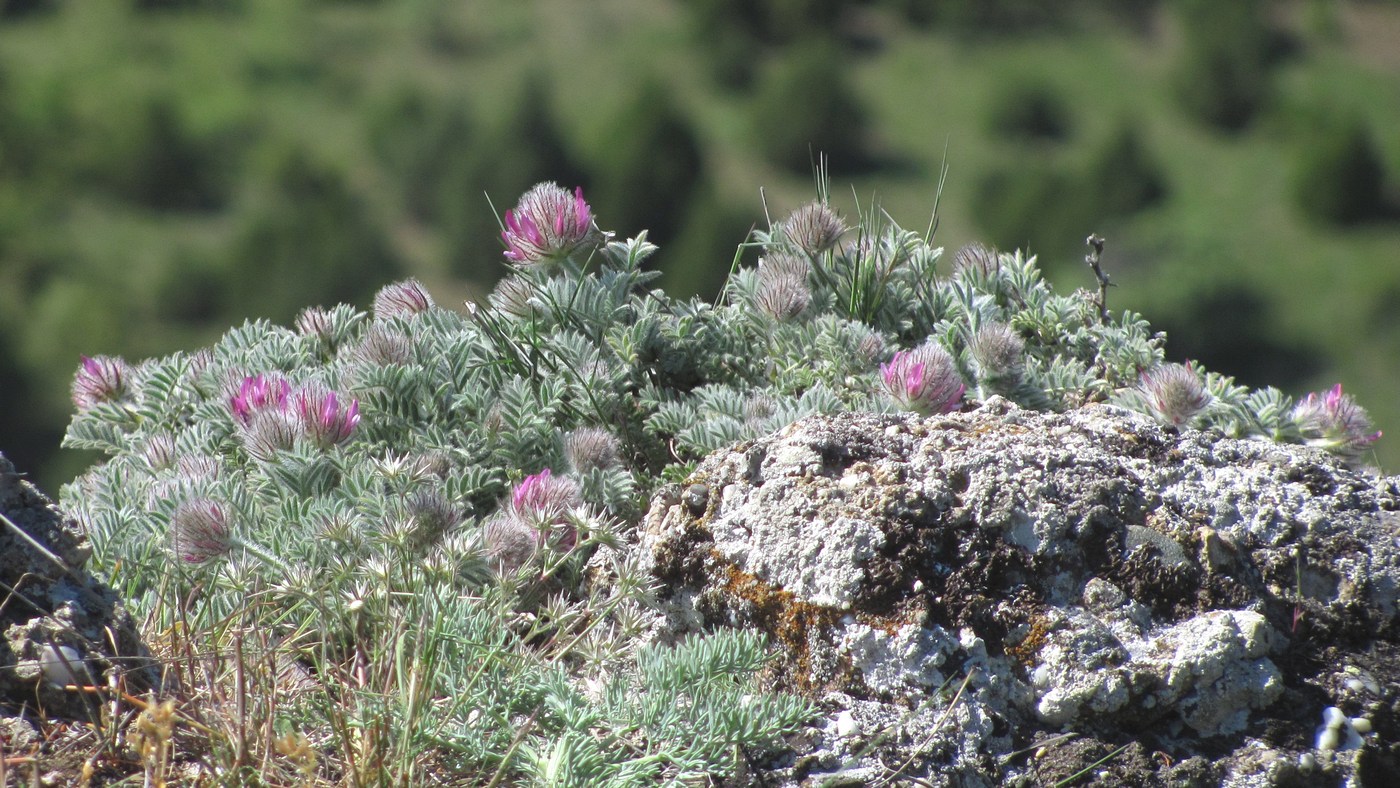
(101, 379)
(997, 355)
(199, 531)
(1175, 394)
(589, 448)
(783, 292)
(976, 257)
(814, 228)
(384, 347)
(401, 299)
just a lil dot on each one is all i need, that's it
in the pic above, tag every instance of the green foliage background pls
(169, 168)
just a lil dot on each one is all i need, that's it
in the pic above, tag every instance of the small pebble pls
(63, 665)
(846, 724)
(1361, 724)
(697, 498)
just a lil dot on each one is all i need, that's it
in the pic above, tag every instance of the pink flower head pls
(924, 379)
(323, 418)
(545, 498)
(548, 225)
(1175, 394)
(100, 379)
(258, 393)
(1335, 422)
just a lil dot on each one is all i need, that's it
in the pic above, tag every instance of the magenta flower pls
(258, 393)
(100, 379)
(543, 501)
(924, 379)
(1333, 421)
(1175, 394)
(548, 225)
(323, 418)
(544, 497)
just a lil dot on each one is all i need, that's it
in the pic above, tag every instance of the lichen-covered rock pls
(1006, 597)
(58, 624)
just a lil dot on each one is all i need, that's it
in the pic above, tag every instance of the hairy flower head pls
(544, 498)
(510, 541)
(257, 393)
(1174, 393)
(383, 346)
(978, 258)
(589, 448)
(547, 226)
(402, 299)
(997, 354)
(814, 228)
(1333, 421)
(924, 379)
(783, 292)
(268, 432)
(433, 516)
(512, 296)
(324, 418)
(199, 531)
(101, 379)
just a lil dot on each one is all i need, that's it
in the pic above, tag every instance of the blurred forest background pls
(169, 168)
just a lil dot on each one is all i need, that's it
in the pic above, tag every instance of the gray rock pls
(958, 593)
(58, 624)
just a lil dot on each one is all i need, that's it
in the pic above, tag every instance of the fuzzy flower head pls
(547, 226)
(512, 296)
(997, 354)
(433, 516)
(510, 542)
(324, 418)
(544, 498)
(383, 346)
(1333, 421)
(258, 393)
(269, 432)
(159, 452)
(814, 228)
(315, 321)
(1174, 393)
(977, 259)
(101, 379)
(925, 380)
(402, 299)
(589, 448)
(199, 531)
(783, 292)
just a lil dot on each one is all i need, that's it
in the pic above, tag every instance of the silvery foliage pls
(455, 407)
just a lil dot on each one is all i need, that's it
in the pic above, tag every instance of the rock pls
(959, 592)
(57, 621)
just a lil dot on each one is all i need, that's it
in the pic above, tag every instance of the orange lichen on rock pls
(783, 616)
